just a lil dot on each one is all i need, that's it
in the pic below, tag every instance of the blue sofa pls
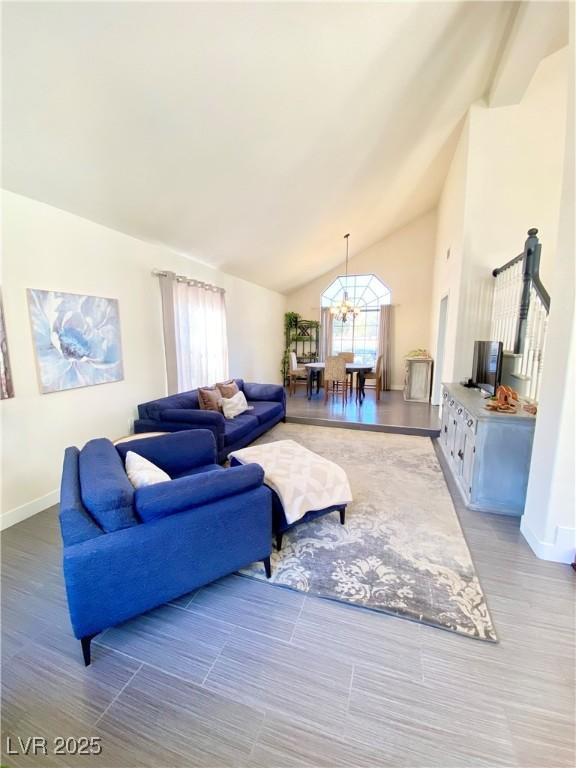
(170, 414)
(127, 551)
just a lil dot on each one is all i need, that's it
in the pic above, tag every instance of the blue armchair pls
(126, 551)
(177, 412)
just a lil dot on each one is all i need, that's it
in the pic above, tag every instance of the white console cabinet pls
(418, 379)
(487, 453)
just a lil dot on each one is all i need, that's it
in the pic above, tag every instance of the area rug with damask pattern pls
(401, 551)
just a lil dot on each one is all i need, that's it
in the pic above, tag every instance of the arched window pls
(358, 334)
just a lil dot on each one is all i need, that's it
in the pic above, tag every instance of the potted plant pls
(291, 320)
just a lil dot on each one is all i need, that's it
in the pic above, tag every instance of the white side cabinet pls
(418, 379)
(487, 453)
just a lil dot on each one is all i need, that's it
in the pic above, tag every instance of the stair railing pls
(520, 312)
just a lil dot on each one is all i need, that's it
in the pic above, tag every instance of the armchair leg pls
(85, 642)
(279, 541)
(267, 567)
(342, 516)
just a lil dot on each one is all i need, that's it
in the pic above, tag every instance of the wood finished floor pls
(389, 414)
(241, 673)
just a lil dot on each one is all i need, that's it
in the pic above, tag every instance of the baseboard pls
(364, 426)
(29, 509)
(561, 550)
(393, 387)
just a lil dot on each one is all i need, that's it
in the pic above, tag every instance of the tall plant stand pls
(303, 338)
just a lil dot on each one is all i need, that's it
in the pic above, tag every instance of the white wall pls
(505, 176)
(516, 164)
(447, 272)
(549, 521)
(255, 328)
(404, 262)
(48, 248)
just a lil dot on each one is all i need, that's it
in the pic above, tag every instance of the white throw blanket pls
(303, 480)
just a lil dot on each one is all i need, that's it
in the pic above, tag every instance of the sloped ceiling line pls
(248, 136)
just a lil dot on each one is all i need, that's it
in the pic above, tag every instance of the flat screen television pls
(487, 365)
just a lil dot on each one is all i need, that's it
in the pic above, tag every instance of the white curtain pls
(385, 344)
(326, 326)
(195, 337)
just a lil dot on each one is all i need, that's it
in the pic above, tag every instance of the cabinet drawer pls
(471, 422)
(468, 463)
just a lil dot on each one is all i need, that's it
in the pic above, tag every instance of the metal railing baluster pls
(520, 310)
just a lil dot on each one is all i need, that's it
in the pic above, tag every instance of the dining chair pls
(296, 373)
(349, 357)
(376, 376)
(334, 376)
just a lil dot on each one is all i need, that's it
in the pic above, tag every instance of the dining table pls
(314, 370)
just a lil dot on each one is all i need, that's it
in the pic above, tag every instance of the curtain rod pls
(188, 280)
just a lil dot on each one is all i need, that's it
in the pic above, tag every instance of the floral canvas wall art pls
(77, 339)
(6, 386)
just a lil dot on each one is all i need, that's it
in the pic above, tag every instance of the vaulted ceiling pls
(249, 135)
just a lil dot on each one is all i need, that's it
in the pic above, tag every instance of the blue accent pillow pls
(175, 453)
(76, 523)
(106, 491)
(163, 499)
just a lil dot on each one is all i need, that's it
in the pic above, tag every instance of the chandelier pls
(344, 307)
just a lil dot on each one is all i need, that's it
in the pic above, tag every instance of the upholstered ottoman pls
(304, 485)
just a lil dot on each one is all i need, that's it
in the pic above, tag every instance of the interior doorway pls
(440, 344)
